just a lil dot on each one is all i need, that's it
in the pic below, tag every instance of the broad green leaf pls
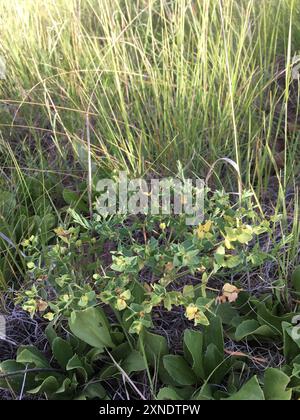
(109, 372)
(75, 363)
(62, 351)
(154, 345)
(168, 393)
(50, 385)
(73, 199)
(214, 334)
(250, 391)
(296, 279)
(275, 385)
(291, 341)
(134, 362)
(244, 237)
(193, 351)
(204, 394)
(226, 312)
(265, 317)
(67, 387)
(179, 370)
(233, 261)
(94, 391)
(214, 364)
(90, 325)
(31, 355)
(219, 255)
(14, 382)
(121, 351)
(250, 328)
(50, 333)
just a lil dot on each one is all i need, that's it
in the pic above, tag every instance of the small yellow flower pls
(203, 229)
(191, 312)
(162, 226)
(49, 316)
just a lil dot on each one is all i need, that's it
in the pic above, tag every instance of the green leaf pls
(49, 386)
(251, 327)
(219, 255)
(179, 370)
(188, 291)
(296, 279)
(275, 384)
(75, 363)
(50, 333)
(31, 355)
(154, 345)
(168, 393)
(265, 317)
(94, 391)
(193, 351)
(214, 334)
(244, 237)
(66, 388)
(291, 341)
(226, 312)
(134, 362)
(233, 261)
(250, 391)
(214, 364)
(62, 351)
(109, 372)
(205, 393)
(73, 199)
(90, 325)
(14, 382)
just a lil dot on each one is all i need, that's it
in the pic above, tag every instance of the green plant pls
(95, 87)
(70, 375)
(169, 251)
(198, 374)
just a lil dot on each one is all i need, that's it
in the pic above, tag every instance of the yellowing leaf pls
(41, 305)
(84, 300)
(203, 229)
(121, 304)
(230, 292)
(125, 295)
(207, 226)
(227, 243)
(200, 318)
(49, 316)
(188, 291)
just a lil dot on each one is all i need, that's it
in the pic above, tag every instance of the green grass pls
(160, 81)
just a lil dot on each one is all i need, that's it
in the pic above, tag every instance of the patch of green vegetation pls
(94, 87)
(108, 305)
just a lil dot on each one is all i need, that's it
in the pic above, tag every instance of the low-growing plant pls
(128, 268)
(153, 261)
(93, 352)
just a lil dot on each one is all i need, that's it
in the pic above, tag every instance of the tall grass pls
(153, 82)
